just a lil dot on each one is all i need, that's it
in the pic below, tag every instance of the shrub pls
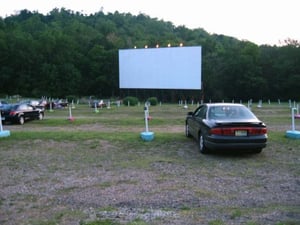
(153, 101)
(130, 100)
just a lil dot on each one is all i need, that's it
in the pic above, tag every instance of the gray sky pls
(259, 21)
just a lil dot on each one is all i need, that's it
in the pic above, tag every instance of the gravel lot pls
(72, 182)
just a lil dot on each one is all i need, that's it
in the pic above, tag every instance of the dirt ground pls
(71, 182)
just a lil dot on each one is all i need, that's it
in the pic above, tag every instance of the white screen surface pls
(160, 68)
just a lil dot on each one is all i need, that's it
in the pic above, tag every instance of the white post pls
(146, 118)
(50, 108)
(1, 128)
(70, 112)
(293, 119)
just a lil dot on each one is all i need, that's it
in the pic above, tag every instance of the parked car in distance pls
(3, 103)
(226, 126)
(98, 104)
(19, 113)
(57, 104)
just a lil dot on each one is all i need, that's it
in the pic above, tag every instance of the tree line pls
(67, 53)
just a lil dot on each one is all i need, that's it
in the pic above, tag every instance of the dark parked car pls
(19, 113)
(226, 126)
(57, 104)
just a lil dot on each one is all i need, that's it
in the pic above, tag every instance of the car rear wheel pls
(187, 130)
(21, 120)
(202, 147)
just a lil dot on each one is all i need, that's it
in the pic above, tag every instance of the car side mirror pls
(190, 113)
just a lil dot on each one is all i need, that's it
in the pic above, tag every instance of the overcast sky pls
(258, 21)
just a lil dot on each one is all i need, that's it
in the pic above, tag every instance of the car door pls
(24, 111)
(28, 110)
(33, 111)
(196, 120)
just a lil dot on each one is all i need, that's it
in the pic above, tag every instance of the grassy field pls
(97, 170)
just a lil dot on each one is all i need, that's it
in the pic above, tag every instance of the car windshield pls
(230, 112)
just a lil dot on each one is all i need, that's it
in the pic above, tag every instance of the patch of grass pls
(137, 221)
(70, 136)
(288, 223)
(185, 208)
(58, 217)
(99, 222)
(130, 137)
(44, 222)
(216, 222)
(207, 193)
(252, 223)
(235, 213)
(108, 209)
(280, 137)
(65, 121)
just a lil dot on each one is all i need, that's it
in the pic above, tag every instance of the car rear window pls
(230, 112)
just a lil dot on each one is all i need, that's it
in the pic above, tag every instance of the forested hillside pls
(67, 53)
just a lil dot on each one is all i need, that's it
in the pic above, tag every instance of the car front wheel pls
(202, 146)
(21, 120)
(41, 116)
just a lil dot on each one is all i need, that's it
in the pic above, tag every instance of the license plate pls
(240, 133)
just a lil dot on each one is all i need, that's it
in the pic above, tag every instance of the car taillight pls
(216, 131)
(257, 130)
(222, 131)
(233, 131)
(12, 113)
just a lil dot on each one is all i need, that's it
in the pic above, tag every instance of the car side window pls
(25, 107)
(201, 112)
(196, 113)
(29, 107)
(22, 107)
